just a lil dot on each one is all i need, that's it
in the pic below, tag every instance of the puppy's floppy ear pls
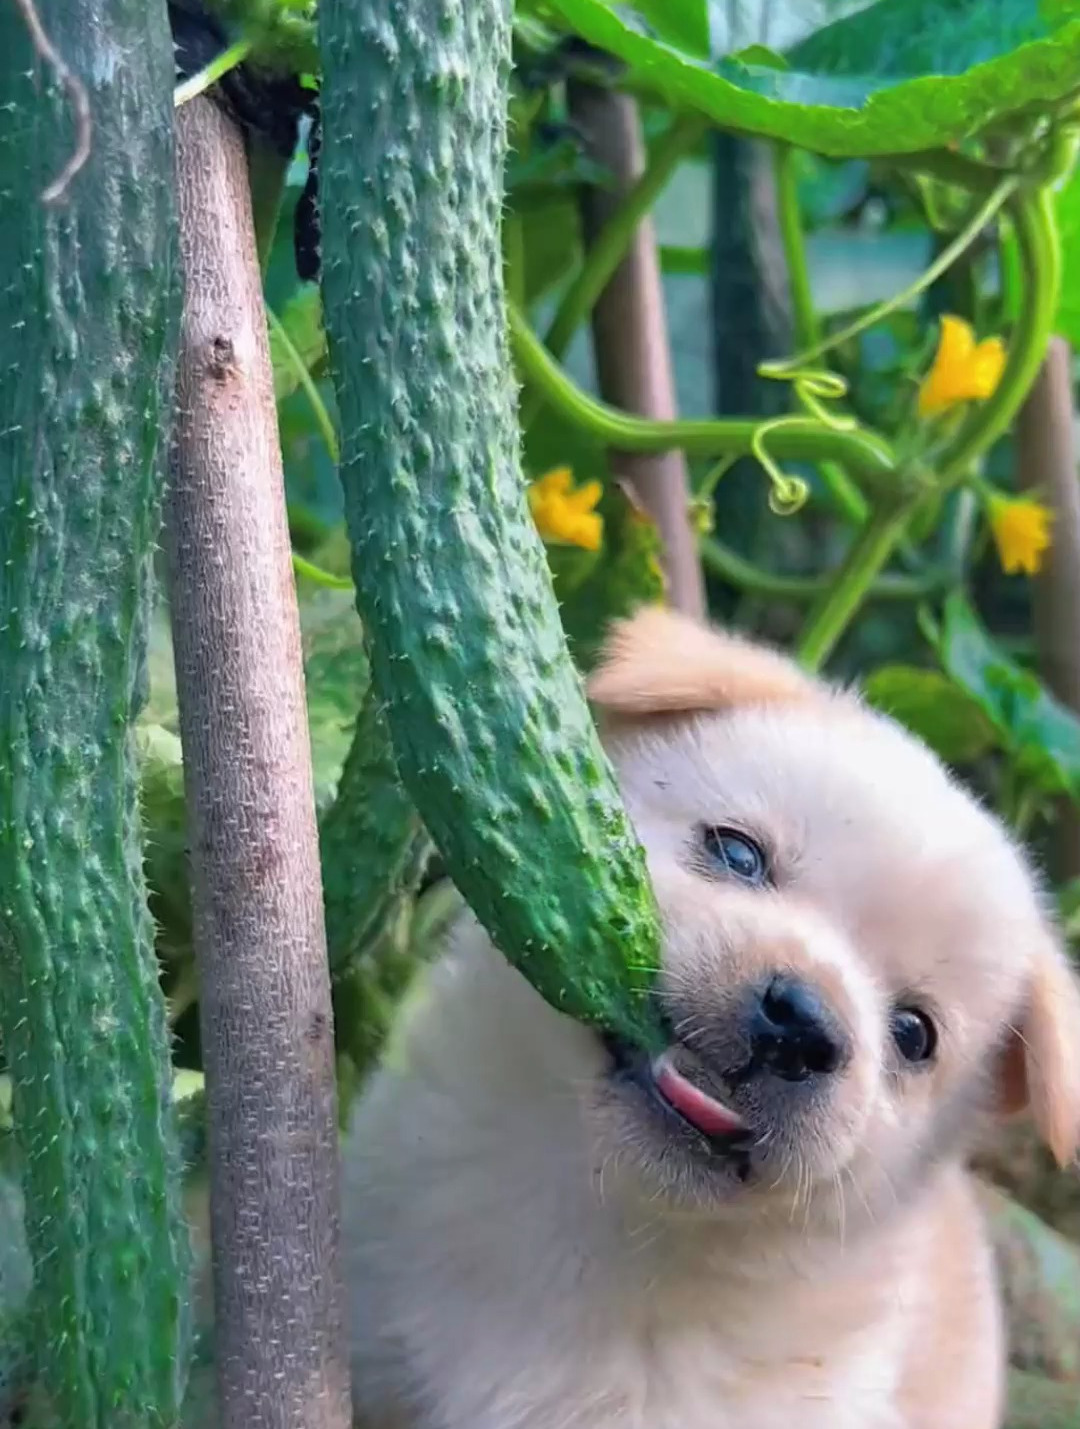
(658, 662)
(1040, 1066)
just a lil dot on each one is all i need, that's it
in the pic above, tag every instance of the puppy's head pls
(856, 963)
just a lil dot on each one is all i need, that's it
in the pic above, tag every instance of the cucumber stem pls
(798, 440)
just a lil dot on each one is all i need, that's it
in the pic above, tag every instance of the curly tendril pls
(814, 386)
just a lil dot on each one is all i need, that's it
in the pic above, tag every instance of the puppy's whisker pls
(886, 1178)
(1018, 1033)
(782, 1173)
(807, 1199)
(857, 1188)
(841, 1208)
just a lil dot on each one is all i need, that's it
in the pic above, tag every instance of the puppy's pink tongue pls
(699, 1109)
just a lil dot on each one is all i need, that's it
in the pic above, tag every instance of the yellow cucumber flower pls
(1021, 531)
(963, 370)
(564, 514)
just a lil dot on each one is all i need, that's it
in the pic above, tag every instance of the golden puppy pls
(769, 1226)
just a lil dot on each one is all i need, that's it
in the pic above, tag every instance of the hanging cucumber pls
(493, 736)
(372, 844)
(87, 312)
(374, 851)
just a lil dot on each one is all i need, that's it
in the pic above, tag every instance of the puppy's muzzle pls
(726, 1069)
(793, 1034)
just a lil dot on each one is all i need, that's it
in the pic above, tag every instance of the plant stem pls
(267, 172)
(849, 499)
(993, 203)
(949, 168)
(611, 243)
(803, 312)
(318, 576)
(609, 247)
(809, 440)
(752, 579)
(209, 75)
(634, 368)
(1039, 258)
(307, 382)
(1040, 262)
(833, 614)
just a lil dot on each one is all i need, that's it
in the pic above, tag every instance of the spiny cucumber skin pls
(371, 841)
(374, 851)
(87, 325)
(493, 735)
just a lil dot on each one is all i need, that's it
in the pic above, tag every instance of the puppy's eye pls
(914, 1034)
(734, 854)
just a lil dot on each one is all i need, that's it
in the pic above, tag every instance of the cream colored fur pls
(525, 1248)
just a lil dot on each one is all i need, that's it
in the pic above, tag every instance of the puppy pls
(769, 1225)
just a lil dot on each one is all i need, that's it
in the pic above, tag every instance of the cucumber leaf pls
(931, 705)
(1040, 734)
(898, 76)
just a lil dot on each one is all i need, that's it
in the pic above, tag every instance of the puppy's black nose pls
(793, 1034)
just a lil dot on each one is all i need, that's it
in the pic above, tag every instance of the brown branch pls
(630, 339)
(1046, 465)
(260, 942)
(80, 101)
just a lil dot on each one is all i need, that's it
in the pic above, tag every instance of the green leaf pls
(901, 75)
(1068, 901)
(560, 164)
(760, 55)
(684, 259)
(933, 707)
(164, 811)
(311, 480)
(828, 192)
(551, 238)
(160, 707)
(301, 317)
(336, 680)
(684, 23)
(283, 33)
(912, 38)
(336, 677)
(1040, 734)
(748, 29)
(372, 843)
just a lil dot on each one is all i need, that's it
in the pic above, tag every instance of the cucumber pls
(88, 311)
(374, 848)
(374, 851)
(494, 741)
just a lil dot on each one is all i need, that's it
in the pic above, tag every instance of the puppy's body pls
(503, 1280)
(540, 1238)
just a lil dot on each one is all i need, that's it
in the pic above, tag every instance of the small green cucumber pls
(88, 309)
(374, 851)
(373, 845)
(494, 741)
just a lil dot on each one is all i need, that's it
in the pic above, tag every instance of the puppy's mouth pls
(674, 1093)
